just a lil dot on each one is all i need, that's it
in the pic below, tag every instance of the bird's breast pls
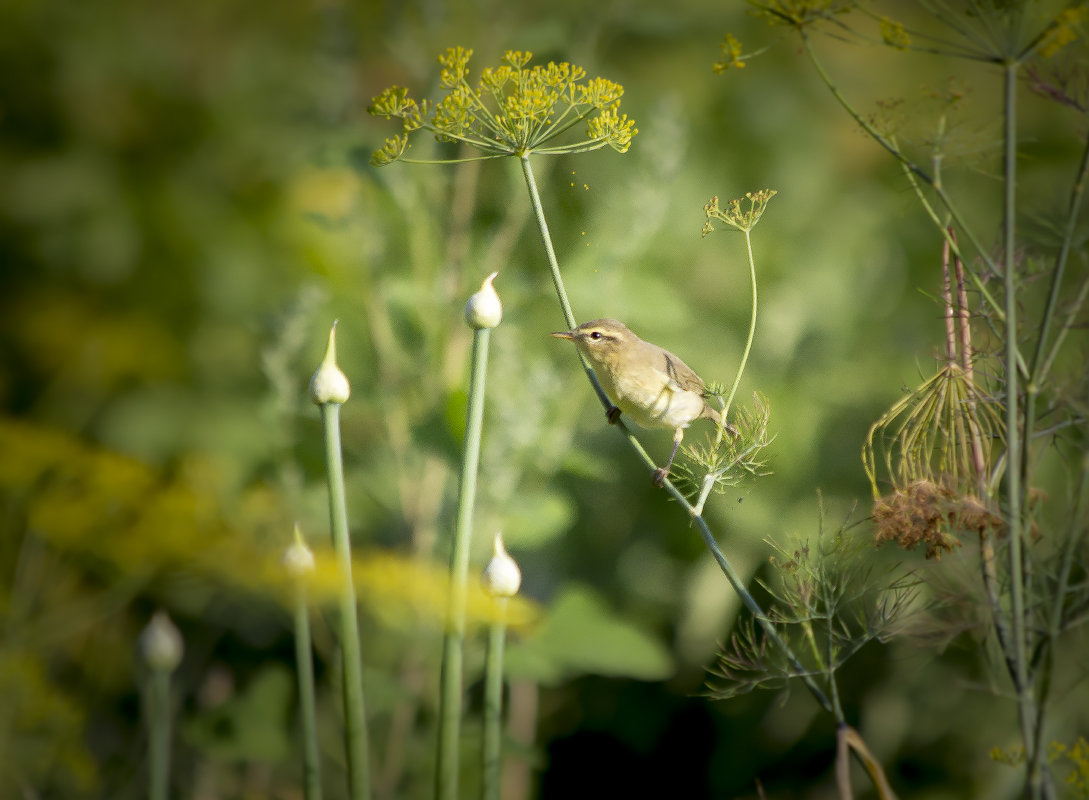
(661, 405)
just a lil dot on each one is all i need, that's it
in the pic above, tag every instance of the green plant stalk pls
(830, 676)
(450, 690)
(355, 718)
(304, 668)
(493, 703)
(752, 330)
(546, 240)
(708, 482)
(696, 516)
(1021, 681)
(158, 711)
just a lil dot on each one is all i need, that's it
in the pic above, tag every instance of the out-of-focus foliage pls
(186, 204)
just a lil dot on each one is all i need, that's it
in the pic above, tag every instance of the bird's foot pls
(612, 413)
(660, 476)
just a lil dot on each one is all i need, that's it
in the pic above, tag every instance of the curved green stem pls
(451, 682)
(752, 329)
(708, 482)
(355, 718)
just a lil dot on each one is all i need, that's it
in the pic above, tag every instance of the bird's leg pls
(662, 473)
(612, 413)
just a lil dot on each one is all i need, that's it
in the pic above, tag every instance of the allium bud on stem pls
(501, 578)
(329, 384)
(161, 643)
(298, 559)
(484, 309)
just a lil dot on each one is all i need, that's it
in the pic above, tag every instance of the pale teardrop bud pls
(161, 643)
(501, 578)
(484, 309)
(298, 559)
(329, 384)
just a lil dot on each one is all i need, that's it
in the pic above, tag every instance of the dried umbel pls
(931, 514)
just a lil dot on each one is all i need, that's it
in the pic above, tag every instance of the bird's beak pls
(564, 334)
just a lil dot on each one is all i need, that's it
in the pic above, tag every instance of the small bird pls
(644, 381)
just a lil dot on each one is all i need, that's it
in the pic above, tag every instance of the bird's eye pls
(595, 335)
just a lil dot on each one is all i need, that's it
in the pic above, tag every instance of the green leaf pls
(580, 635)
(536, 519)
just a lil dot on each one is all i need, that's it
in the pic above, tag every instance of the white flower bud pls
(501, 577)
(484, 310)
(298, 558)
(161, 643)
(329, 384)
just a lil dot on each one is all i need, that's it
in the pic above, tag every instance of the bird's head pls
(602, 341)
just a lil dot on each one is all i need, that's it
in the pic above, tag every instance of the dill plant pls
(993, 446)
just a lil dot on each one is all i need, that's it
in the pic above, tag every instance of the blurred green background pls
(186, 205)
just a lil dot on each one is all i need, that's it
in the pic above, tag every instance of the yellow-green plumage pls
(646, 382)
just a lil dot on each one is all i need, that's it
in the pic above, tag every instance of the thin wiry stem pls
(751, 334)
(708, 482)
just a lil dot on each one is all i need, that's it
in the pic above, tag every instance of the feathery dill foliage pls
(827, 603)
(728, 461)
(993, 445)
(513, 110)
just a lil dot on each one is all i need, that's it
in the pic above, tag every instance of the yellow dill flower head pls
(894, 35)
(513, 110)
(731, 55)
(1063, 30)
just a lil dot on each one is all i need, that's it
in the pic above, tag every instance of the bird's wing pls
(681, 375)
